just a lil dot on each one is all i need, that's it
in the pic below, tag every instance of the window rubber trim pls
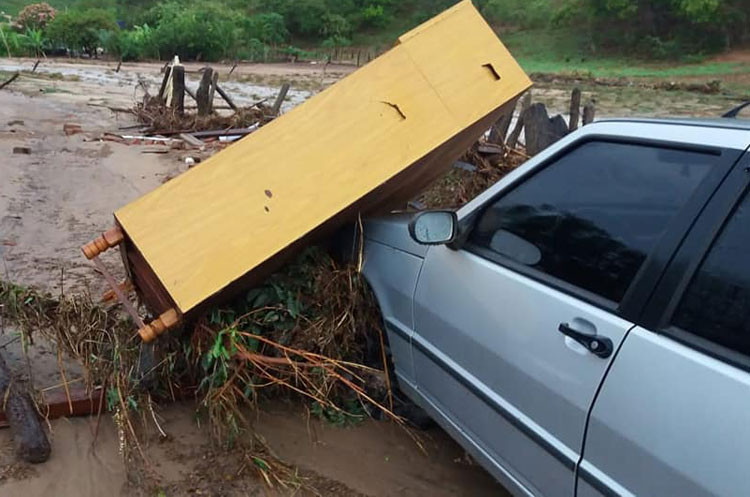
(646, 279)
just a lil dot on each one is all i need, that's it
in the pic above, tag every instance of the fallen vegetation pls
(313, 330)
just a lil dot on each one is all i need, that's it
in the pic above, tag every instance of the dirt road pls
(58, 197)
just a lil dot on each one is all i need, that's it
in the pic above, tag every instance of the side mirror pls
(434, 227)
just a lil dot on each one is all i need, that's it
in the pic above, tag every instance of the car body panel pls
(487, 351)
(392, 274)
(678, 421)
(393, 231)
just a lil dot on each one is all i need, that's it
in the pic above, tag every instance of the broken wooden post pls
(212, 88)
(516, 133)
(9, 80)
(280, 99)
(589, 110)
(499, 130)
(575, 109)
(163, 88)
(28, 435)
(119, 65)
(36, 64)
(205, 104)
(178, 89)
(541, 131)
(226, 98)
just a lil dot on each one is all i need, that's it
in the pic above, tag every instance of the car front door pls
(515, 331)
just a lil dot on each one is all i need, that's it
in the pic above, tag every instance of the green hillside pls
(595, 36)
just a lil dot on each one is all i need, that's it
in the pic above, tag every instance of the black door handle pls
(597, 345)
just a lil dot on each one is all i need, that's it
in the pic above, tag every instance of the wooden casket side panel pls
(392, 194)
(360, 145)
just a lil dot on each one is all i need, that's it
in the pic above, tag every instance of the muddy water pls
(60, 74)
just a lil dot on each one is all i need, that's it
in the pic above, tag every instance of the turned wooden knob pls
(109, 239)
(167, 320)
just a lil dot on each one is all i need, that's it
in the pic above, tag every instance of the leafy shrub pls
(200, 31)
(14, 44)
(334, 26)
(522, 13)
(336, 41)
(79, 30)
(35, 16)
(35, 42)
(137, 43)
(375, 16)
(267, 28)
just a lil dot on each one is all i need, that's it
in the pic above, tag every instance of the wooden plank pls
(226, 98)
(191, 140)
(365, 144)
(516, 133)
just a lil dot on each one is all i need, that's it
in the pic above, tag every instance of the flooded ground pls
(62, 194)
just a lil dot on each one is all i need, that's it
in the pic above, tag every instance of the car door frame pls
(644, 283)
(662, 303)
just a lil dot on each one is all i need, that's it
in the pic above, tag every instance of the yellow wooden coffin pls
(364, 145)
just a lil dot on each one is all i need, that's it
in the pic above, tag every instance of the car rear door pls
(515, 331)
(672, 414)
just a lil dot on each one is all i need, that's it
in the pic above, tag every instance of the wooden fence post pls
(178, 89)
(205, 103)
(575, 109)
(280, 98)
(589, 110)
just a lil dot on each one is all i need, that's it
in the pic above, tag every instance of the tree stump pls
(541, 131)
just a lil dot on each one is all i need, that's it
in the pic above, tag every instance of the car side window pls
(716, 303)
(591, 217)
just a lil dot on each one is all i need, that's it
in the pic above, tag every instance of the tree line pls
(247, 30)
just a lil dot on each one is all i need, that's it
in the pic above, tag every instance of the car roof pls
(715, 122)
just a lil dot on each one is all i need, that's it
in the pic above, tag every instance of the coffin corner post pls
(107, 240)
(166, 321)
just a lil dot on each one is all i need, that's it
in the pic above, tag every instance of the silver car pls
(582, 328)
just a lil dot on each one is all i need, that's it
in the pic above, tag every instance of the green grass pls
(563, 51)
